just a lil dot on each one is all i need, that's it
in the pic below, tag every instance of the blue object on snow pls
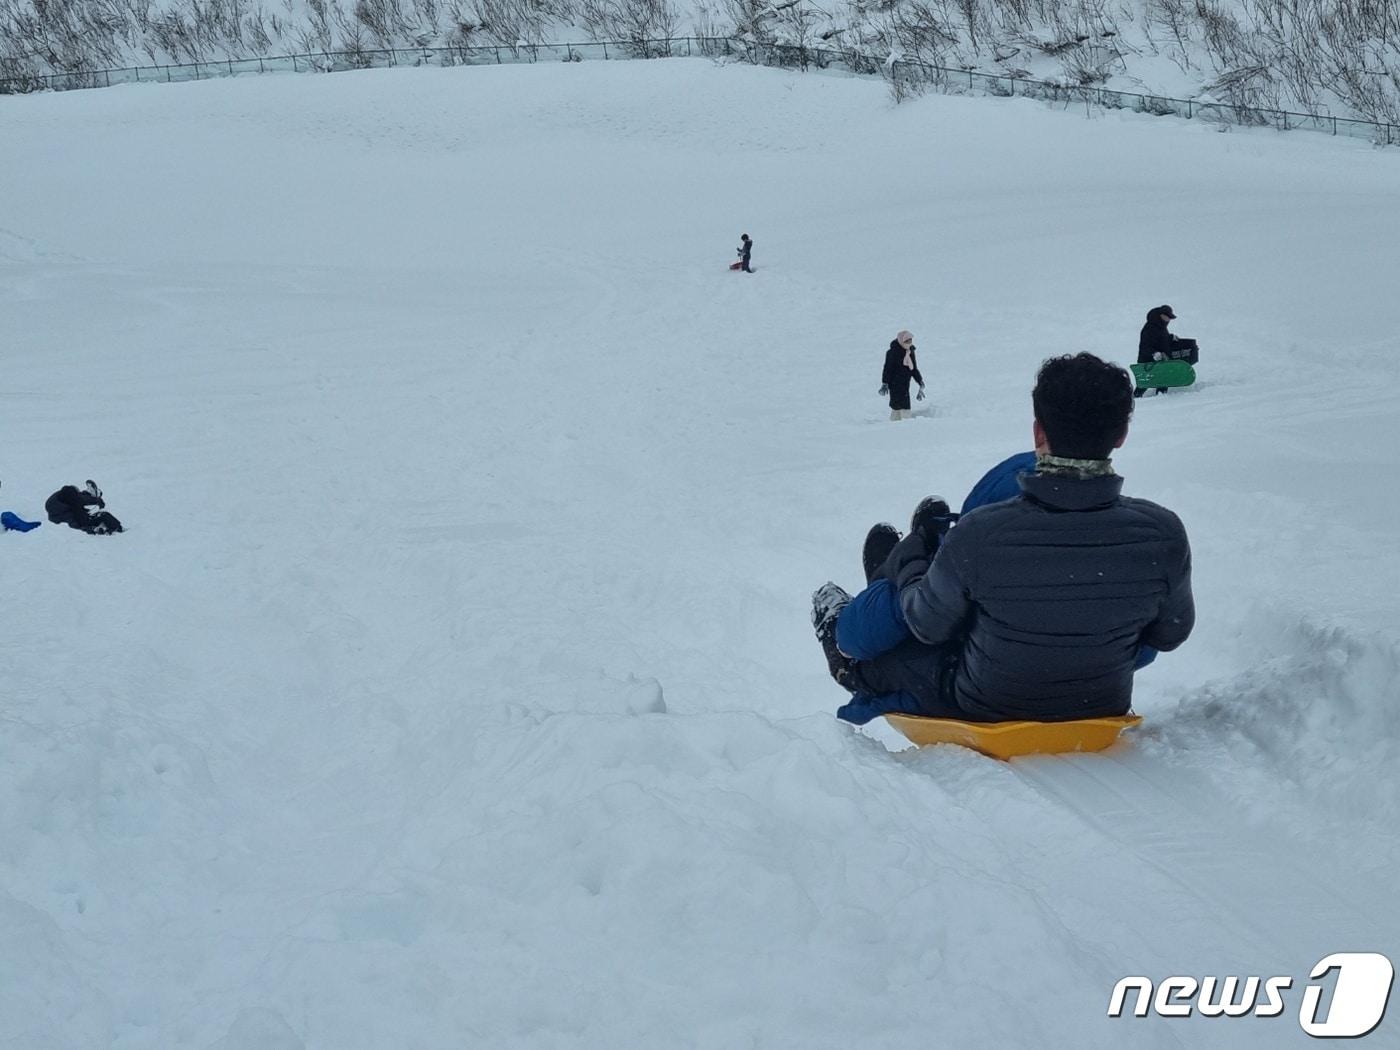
(14, 523)
(1000, 482)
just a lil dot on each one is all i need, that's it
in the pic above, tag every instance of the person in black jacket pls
(72, 506)
(745, 252)
(901, 365)
(1034, 607)
(1155, 343)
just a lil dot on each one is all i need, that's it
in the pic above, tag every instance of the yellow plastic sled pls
(1008, 739)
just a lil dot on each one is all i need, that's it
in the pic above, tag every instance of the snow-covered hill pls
(453, 684)
(1320, 57)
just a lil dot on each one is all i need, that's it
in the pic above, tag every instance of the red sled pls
(736, 266)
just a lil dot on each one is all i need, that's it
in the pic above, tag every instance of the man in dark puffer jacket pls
(1031, 608)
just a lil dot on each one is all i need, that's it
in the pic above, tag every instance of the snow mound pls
(1313, 714)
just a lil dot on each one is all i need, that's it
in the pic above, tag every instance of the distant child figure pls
(71, 506)
(745, 252)
(900, 366)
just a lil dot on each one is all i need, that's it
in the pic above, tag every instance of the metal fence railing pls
(915, 76)
(366, 58)
(905, 75)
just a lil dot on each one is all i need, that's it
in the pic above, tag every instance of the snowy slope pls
(453, 685)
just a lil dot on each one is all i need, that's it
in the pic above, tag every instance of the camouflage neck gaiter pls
(1073, 468)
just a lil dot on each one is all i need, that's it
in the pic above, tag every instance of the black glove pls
(884, 389)
(942, 525)
(907, 562)
(921, 392)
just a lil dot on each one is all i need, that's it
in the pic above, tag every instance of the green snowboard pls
(1163, 373)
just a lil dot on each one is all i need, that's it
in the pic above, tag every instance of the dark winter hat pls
(1165, 310)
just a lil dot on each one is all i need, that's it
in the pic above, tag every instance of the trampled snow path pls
(453, 685)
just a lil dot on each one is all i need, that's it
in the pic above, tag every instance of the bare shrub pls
(904, 81)
(260, 33)
(384, 19)
(796, 23)
(645, 27)
(923, 32)
(751, 20)
(510, 22)
(354, 42)
(1249, 87)
(707, 22)
(426, 12)
(463, 25)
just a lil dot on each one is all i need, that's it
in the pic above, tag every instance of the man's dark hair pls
(1083, 403)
